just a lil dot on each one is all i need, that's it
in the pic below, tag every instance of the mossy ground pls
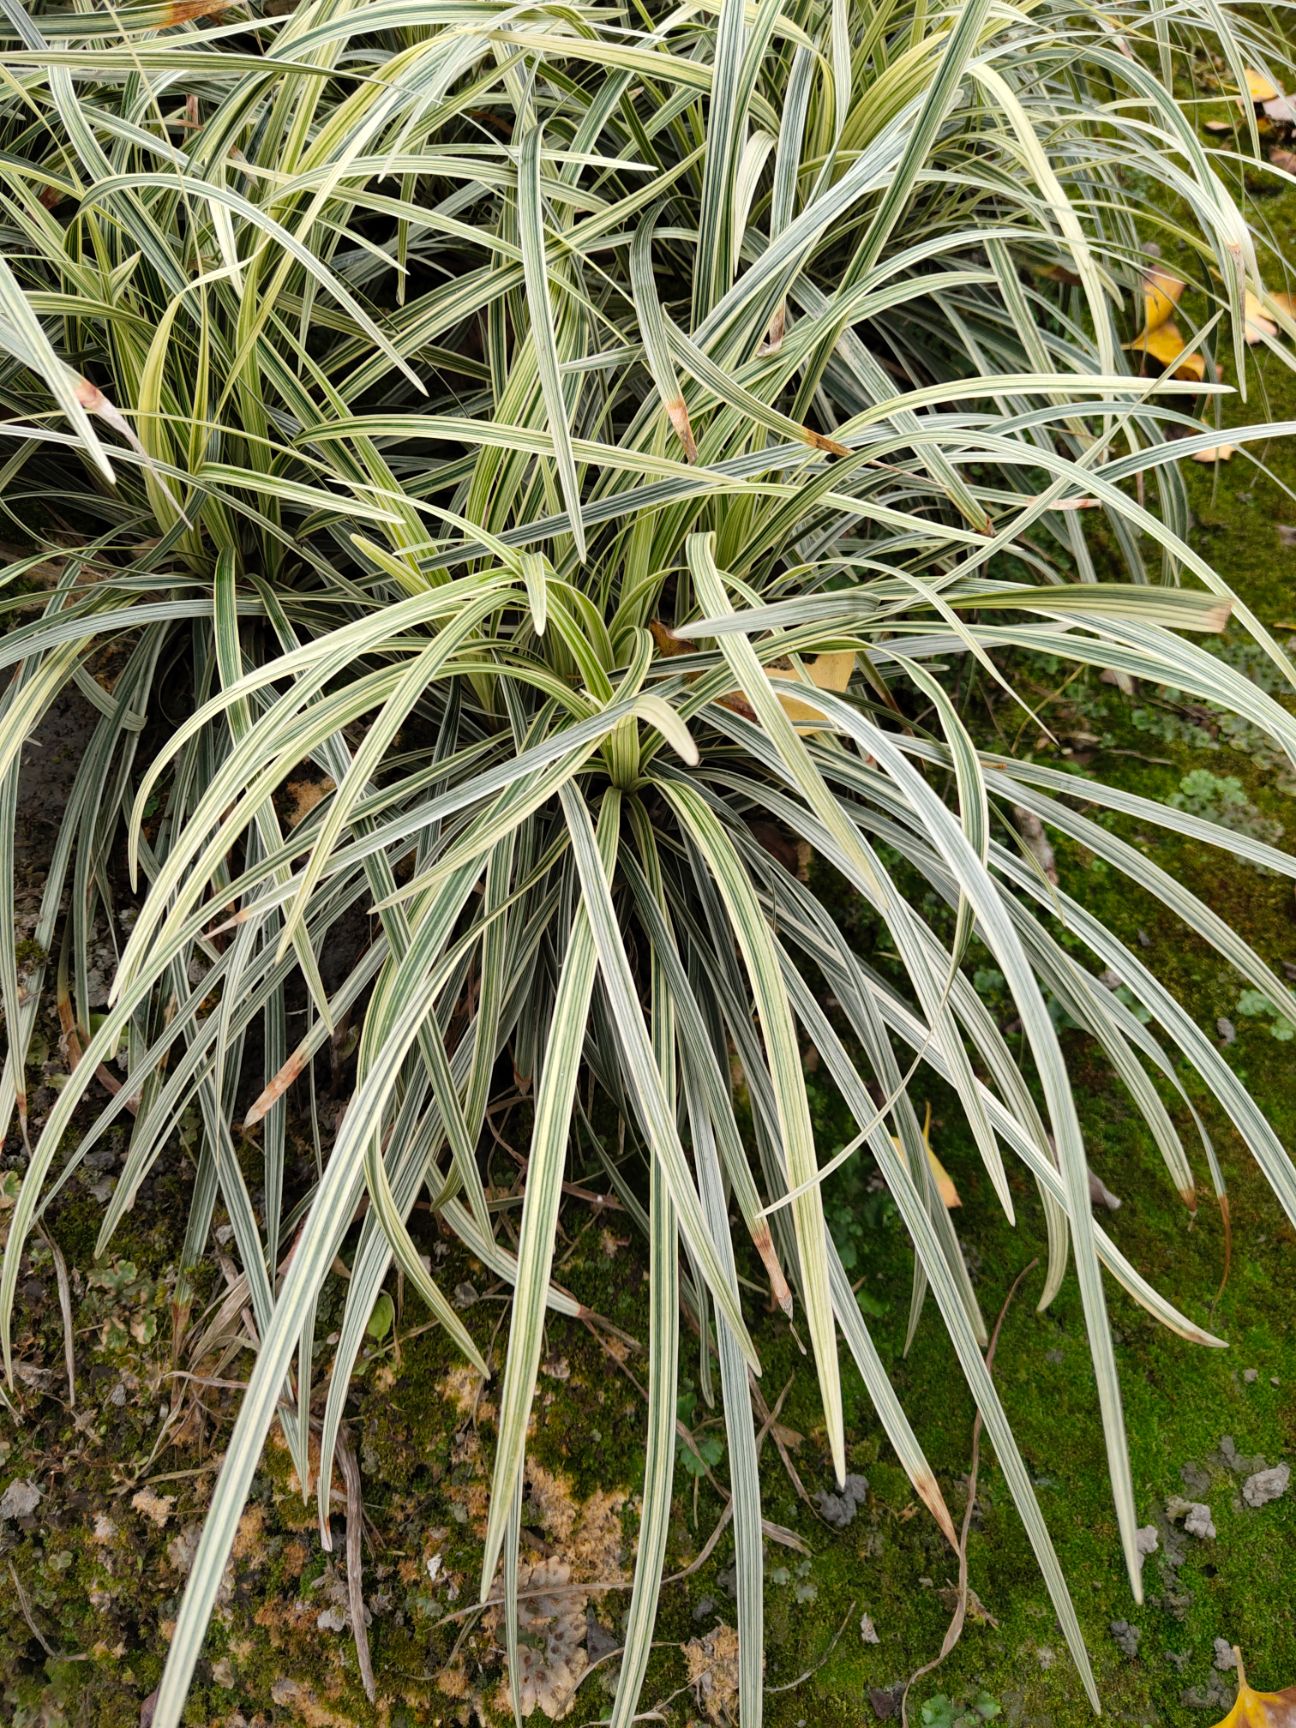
(89, 1581)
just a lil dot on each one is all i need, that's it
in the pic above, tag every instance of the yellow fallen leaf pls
(1260, 88)
(1165, 345)
(1257, 322)
(1217, 453)
(1161, 294)
(826, 672)
(1287, 302)
(1253, 1709)
(944, 1181)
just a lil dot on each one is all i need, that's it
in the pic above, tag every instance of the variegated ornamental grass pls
(559, 435)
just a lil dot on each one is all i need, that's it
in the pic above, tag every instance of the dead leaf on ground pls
(1260, 88)
(1284, 161)
(1167, 347)
(1216, 453)
(826, 672)
(1259, 1709)
(944, 1181)
(666, 642)
(1162, 292)
(1257, 322)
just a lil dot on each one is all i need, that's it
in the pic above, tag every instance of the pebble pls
(1199, 1522)
(839, 1509)
(1196, 1515)
(1250, 1375)
(1266, 1485)
(1145, 1540)
(1126, 1636)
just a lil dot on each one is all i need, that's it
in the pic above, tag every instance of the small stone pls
(1145, 1540)
(1266, 1485)
(835, 1509)
(1126, 1636)
(19, 1500)
(1250, 1375)
(839, 1509)
(1224, 1655)
(868, 1631)
(1197, 1520)
(465, 1295)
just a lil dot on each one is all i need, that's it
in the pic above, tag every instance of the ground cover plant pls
(505, 478)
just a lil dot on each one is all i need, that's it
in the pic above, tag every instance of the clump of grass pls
(500, 474)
